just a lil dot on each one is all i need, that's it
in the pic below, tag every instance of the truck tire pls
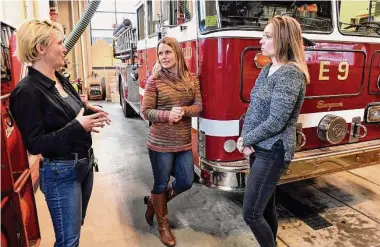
(127, 109)
(196, 178)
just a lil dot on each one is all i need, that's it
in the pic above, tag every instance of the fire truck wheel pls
(127, 109)
(196, 178)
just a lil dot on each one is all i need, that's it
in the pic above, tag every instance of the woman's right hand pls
(91, 122)
(175, 115)
(246, 151)
(239, 144)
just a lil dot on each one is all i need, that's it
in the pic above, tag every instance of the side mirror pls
(134, 76)
(307, 42)
(135, 66)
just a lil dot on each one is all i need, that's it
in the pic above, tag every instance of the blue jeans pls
(259, 209)
(67, 186)
(162, 165)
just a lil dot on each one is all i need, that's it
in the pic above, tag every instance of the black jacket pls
(46, 122)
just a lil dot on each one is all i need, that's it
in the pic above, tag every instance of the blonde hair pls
(31, 33)
(183, 72)
(288, 43)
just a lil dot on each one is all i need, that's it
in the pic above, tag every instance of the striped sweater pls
(159, 98)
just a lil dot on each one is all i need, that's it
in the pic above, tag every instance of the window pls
(314, 16)
(108, 16)
(124, 6)
(208, 15)
(186, 9)
(106, 6)
(359, 18)
(169, 12)
(141, 22)
(153, 11)
(103, 21)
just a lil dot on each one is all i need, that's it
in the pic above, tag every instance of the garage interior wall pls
(69, 13)
(15, 13)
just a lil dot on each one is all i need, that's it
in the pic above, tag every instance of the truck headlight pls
(372, 113)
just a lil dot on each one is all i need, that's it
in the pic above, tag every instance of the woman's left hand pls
(97, 109)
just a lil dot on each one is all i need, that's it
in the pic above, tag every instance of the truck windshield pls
(314, 16)
(360, 18)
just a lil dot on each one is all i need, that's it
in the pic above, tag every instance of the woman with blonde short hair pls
(55, 123)
(268, 137)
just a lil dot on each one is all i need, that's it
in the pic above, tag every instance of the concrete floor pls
(209, 218)
(199, 217)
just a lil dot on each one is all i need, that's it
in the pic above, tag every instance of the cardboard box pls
(110, 82)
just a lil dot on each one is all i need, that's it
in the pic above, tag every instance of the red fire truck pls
(339, 125)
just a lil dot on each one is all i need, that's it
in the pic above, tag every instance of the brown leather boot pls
(149, 213)
(170, 193)
(161, 210)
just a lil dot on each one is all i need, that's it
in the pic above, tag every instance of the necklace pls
(60, 89)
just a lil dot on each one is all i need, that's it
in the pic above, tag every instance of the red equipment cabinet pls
(19, 221)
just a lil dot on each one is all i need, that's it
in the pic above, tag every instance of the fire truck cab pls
(339, 125)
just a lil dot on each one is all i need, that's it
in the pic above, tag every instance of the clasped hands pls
(247, 151)
(176, 115)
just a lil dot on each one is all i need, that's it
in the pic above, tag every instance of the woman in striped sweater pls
(172, 97)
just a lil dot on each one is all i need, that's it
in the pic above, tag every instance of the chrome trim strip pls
(337, 151)
(239, 166)
(232, 176)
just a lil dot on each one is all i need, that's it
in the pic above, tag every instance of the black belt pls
(74, 156)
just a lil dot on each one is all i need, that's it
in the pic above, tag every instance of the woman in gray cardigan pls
(269, 133)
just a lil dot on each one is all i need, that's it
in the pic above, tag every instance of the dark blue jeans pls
(67, 186)
(259, 209)
(162, 165)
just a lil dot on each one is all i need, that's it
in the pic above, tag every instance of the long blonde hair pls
(288, 43)
(183, 72)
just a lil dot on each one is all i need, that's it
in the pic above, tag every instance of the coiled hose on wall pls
(81, 26)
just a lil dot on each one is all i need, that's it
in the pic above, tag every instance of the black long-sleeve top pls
(47, 123)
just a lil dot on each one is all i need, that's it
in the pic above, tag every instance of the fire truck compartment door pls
(249, 71)
(374, 73)
(335, 72)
